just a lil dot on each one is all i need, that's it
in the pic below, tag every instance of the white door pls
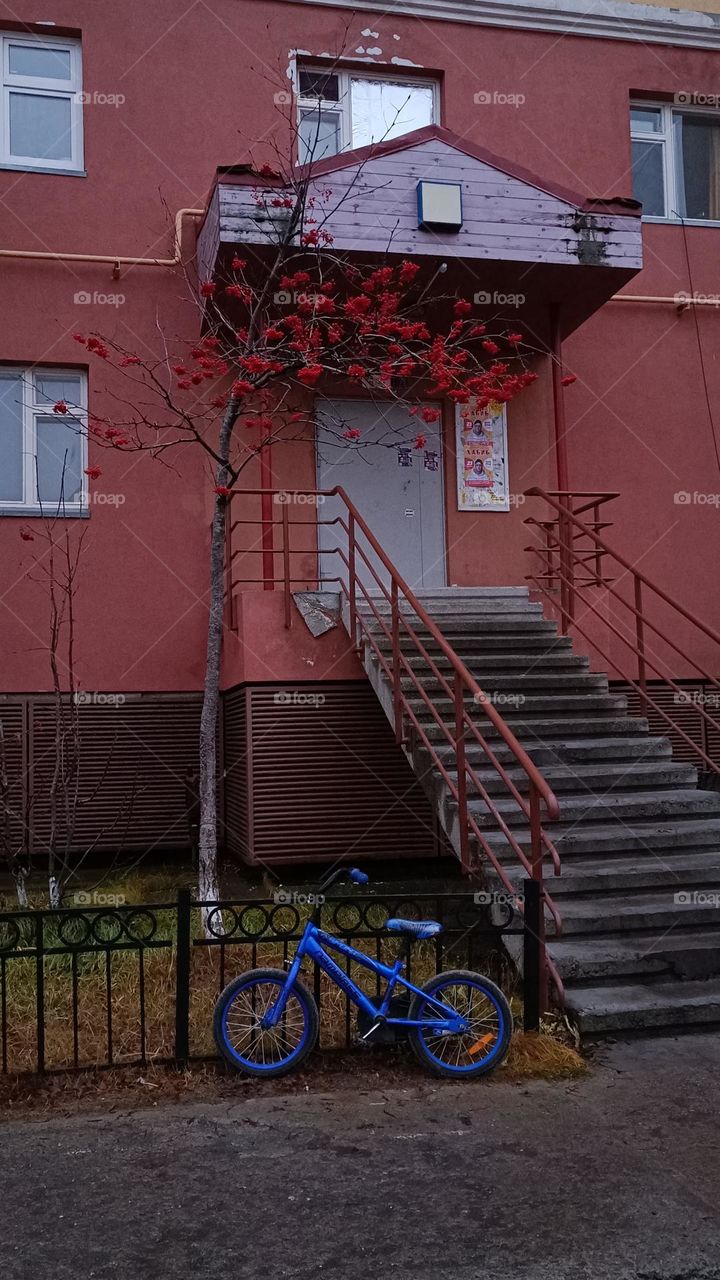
(397, 489)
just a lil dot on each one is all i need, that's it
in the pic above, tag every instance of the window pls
(340, 110)
(41, 110)
(42, 453)
(676, 162)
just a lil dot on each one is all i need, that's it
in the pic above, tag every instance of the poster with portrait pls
(481, 448)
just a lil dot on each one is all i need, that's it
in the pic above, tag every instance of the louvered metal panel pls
(683, 713)
(237, 806)
(133, 759)
(324, 777)
(13, 807)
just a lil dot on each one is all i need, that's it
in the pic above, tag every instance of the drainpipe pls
(558, 401)
(561, 462)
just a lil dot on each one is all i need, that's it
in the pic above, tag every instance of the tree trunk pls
(208, 885)
(208, 881)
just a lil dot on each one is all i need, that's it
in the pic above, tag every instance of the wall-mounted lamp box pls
(439, 206)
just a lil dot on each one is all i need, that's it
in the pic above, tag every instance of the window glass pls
(11, 438)
(648, 177)
(319, 134)
(383, 109)
(319, 84)
(50, 388)
(40, 126)
(645, 120)
(40, 63)
(59, 465)
(697, 162)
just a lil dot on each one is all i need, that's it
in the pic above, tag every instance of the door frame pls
(444, 468)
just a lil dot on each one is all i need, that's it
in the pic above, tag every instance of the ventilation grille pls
(13, 802)
(131, 776)
(237, 806)
(683, 713)
(326, 778)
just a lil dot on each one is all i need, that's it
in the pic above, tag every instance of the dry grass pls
(542, 1056)
(531, 1057)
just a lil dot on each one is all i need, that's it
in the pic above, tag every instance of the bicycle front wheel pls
(470, 1053)
(264, 1051)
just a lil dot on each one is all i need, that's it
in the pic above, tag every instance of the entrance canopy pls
(520, 246)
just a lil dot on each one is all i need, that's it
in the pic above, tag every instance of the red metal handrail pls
(559, 561)
(366, 625)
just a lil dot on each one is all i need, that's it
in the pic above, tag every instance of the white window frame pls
(343, 107)
(44, 88)
(32, 409)
(665, 139)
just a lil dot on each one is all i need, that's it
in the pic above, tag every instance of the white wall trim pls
(603, 19)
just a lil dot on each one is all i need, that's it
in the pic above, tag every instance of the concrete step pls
(426, 595)
(540, 704)
(673, 908)
(677, 869)
(484, 665)
(616, 839)
(456, 628)
(532, 681)
(574, 751)
(596, 779)
(682, 953)
(479, 607)
(494, 644)
(644, 1006)
(547, 731)
(621, 807)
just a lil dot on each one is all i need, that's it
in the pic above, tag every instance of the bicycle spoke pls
(452, 1049)
(264, 1046)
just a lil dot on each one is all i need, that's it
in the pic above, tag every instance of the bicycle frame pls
(312, 943)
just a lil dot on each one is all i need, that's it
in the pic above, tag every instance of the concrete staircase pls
(635, 832)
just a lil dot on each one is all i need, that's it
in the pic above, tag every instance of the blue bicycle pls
(459, 1023)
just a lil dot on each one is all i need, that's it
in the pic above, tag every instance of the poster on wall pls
(481, 448)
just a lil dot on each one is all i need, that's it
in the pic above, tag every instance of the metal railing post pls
(531, 955)
(182, 978)
(352, 580)
(640, 641)
(40, 990)
(286, 564)
(461, 766)
(266, 516)
(536, 859)
(397, 688)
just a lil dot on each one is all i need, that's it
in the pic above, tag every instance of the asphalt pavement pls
(612, 1177)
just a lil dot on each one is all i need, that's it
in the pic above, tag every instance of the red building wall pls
(199, 91)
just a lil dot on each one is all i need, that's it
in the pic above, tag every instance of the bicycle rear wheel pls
(467, 1054)
(264, 1051)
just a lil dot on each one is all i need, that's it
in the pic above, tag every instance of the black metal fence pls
(100, 985)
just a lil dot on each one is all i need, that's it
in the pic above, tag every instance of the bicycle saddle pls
(419, 928)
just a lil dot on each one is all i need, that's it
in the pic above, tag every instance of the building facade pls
(125, 129)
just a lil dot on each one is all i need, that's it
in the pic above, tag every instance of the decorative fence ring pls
(9, 935)
(280, 928)
(141, 926)
(75, 929)
(107, 927)
(347, 906)
(217, 922)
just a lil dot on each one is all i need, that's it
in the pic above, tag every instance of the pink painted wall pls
(199, 87)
